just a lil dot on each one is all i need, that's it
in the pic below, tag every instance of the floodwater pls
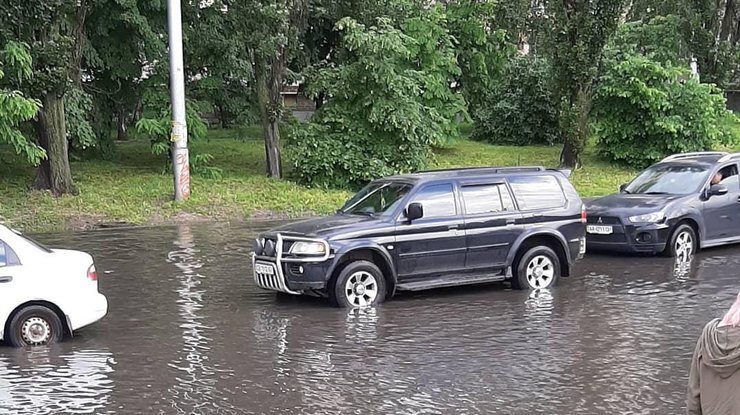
(188, 332)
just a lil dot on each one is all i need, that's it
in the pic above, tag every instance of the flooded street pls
(188, 332)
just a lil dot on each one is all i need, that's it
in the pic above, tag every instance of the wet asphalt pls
(188, 332)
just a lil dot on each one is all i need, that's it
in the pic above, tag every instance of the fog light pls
(300, 269)
(644, 237)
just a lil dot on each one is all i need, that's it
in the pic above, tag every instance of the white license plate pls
(264, 269)
(599, 229)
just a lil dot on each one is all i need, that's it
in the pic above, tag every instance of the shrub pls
(521, 109)
(645, 110)
(389, 103)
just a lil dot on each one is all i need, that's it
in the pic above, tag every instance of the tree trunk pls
(53, 173)
(576, 130)
(121, 124)
(269, 115)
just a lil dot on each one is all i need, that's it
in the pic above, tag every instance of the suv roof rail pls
(729, 157)
(487, 169)
(694, 154)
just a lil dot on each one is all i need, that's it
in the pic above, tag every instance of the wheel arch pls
(66, 324)
(372, 253)
(550, 239)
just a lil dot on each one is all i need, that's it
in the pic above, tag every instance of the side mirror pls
(622, 187)
(718, 190)
(414, 211)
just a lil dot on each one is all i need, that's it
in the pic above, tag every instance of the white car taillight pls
(92, 275)
(584, 215)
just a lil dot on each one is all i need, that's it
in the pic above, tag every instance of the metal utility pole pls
(179, 136)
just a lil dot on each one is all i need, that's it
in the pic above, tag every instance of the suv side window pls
(488, 198)
(438, 201)
(537, 192)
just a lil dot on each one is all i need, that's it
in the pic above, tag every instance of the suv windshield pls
(376, 198)
(676, 179)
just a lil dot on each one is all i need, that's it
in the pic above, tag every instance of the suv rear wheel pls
(359, 284)
(682, 243)
(539, 267)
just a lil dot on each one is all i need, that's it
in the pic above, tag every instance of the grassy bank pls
(131, 188)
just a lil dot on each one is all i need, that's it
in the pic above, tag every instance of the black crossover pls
(677, 206)
(427, 230)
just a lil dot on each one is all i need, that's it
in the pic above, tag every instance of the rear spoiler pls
(564, 172)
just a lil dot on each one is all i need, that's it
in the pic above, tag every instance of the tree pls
(481, 50)
(268, 31)
(56, 49)
(14, 107)
(389, 102)
(580, 30)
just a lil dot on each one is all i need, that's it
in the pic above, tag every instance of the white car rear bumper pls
(89, 311)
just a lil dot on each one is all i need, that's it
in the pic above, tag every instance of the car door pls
(10, 281)
(435, 243)
(722, 212)
(491, 224)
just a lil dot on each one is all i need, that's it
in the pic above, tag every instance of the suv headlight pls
(654, 217)
(308, 248)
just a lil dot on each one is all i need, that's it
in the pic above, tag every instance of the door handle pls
(511, 221)
(452, 227)
(6, 279)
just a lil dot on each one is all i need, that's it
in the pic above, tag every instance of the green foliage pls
(521, 108)
(659, 39)
(580, 30)
(390, 102)
(482, 51)
(156, 125)
(78, 107)
(16, 109)
(645, 111)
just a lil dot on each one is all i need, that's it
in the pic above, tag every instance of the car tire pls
(359, 284)
(683, 242)
(34, 326)
(538, 268)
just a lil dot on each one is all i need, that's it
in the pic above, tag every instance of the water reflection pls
(195, 387)
(45, 381)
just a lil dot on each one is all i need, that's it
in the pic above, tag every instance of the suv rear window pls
(489, 198)
(537, 192)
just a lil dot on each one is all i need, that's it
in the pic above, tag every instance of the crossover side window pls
(537, 192)
(491, 198)
(730, 177)
(438, 201)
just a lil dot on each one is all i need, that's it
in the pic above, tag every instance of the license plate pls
(264, 269)
(599, 229)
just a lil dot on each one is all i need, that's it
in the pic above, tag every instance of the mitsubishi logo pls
(599, 221)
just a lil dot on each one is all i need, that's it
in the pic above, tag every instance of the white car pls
(45, 293)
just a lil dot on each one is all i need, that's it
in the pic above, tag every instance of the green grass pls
(132, 187)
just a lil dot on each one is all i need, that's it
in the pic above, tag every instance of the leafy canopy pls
(15, 108)
(389, 103)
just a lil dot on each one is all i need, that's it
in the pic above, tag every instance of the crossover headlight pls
(308, 248)
(648, 218)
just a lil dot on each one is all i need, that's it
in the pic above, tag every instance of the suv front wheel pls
(538, 268)
(359, 284)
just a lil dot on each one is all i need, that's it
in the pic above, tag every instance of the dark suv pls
(427, 230)
(683, 203)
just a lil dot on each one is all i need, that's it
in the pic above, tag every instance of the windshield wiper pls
(655, 193)
(361, 213)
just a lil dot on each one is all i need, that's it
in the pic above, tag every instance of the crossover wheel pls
(683, 243)
(538, 268)
(359, 284)
(34, 326)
